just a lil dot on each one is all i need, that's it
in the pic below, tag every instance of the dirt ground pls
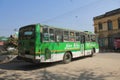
(102, 66)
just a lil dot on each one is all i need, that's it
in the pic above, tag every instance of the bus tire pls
(67, 57)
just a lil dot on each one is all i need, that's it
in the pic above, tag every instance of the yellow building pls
(107, 27)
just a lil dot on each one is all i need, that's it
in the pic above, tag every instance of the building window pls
(110, 26)
(100, 26)
(118, 23)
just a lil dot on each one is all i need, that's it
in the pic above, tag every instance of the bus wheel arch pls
(67, 57)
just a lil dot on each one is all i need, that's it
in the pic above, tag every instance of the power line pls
(70, 12)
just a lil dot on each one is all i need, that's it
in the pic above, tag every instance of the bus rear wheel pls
(67, 57)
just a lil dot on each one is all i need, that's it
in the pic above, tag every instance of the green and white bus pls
(41, 43)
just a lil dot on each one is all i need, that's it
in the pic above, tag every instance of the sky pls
(69, 14)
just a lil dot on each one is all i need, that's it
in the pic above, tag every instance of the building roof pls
(110, 13)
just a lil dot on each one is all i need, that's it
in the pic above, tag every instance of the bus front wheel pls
(67, 57)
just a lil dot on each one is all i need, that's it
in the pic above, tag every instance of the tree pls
(12, 42)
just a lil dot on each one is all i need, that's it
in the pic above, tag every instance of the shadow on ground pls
(25, 66)
(43, 74)
(46, 75)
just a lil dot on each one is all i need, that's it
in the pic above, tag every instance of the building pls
(2, 40)
(107, 27)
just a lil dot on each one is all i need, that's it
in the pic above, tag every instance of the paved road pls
(102, 66)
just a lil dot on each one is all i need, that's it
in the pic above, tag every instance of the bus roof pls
(65, 29)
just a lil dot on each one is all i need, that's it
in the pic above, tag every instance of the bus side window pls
(52, 35)
(45, 35)
(87, 37)
(93, 38)
(66, 36)
(77, 36)
(59, 35)
(72, 36)
(82, 38)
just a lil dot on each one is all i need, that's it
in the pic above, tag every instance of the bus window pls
(66, 33)
(27, 33)
(82, 39)
(87, 38)
(72, 36)
(45, 37)
(45, 34)
(77, 36)
(59, 35)
(51, 31)
(72, 39)
(93, 38)
(66, 36)
(45, 30)
(20, 34)
(52, 36)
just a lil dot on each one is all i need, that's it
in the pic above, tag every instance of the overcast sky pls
(71, 14)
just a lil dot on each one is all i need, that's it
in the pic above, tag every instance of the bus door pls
(82, 47)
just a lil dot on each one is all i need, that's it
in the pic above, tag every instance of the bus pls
(42, 43)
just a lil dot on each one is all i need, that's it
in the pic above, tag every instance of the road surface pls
(102, 66)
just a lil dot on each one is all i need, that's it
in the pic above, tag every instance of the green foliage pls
(3, 38)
